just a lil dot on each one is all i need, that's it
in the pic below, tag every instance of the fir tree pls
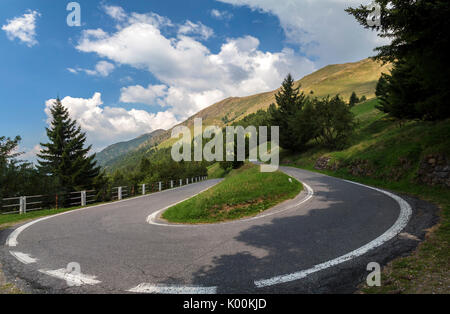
(65, 157)
(289, 101)
(353, 100)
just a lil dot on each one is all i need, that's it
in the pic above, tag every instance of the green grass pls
(244, 192)
(215, 171)
(393, 154)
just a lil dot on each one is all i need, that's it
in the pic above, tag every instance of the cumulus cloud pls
(139, 94)
(104, 124)
(321, 29)
(196, 29)
(195, 77)
(221, 15)
(102, 68)
(23, 28)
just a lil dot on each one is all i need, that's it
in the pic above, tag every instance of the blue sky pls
(135, 66)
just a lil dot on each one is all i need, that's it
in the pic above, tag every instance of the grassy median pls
(245, 192)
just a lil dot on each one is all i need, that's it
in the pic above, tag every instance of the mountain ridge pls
(343, 79)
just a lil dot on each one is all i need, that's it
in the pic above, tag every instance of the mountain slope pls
(360, 77)
(112, 152)
(343, 79)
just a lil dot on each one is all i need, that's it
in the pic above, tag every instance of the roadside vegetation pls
(245, 192)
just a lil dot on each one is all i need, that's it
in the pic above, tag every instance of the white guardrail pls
(24, 204)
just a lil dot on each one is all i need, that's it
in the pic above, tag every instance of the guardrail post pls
(143, 189)
(119, 193)
(171, 184)
(23, 205)
(83, 198)
(160, 186)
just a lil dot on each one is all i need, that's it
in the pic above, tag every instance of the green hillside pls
(343, 79)
(112, 153)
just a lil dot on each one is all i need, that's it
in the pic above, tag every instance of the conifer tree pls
(353, 100)
(289, 101)
(65, 157)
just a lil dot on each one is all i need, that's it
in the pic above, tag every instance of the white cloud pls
(190, 28)
(72, 70)
(139, 94)
(115, 12)
(102, 68)
(30, 154)
(221, 15)
(23, 28)
(322, 29)
(104, 124)
(195, 77)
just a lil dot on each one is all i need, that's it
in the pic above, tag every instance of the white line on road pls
(172, 289)
(11, 241)
(399, 225)
(23, 257)
(73, 279)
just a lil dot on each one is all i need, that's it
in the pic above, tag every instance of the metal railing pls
(24, 204)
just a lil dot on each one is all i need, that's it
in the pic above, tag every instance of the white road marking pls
(399, 225)
(23, 257)
(152, 218)
(172, 289)
(11, 241)
(75, 279)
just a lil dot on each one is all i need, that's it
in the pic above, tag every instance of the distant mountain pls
(360, 77)
(110, 154)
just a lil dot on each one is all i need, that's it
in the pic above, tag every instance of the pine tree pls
(353, 100)
(289, 101)
(65, 158)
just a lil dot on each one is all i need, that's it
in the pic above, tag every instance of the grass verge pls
(245, 192)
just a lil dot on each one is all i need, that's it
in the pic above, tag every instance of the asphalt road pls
(288, 249)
